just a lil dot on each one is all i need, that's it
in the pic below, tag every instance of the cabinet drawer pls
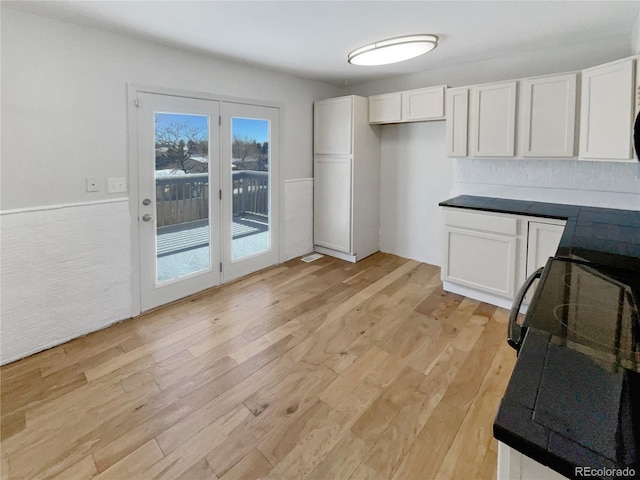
(479, 221)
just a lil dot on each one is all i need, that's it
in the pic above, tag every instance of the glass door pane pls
(178, 166)
(183, 243)
(250, 187)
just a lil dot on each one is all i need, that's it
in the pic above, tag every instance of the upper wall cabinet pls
(457, 121)
(548, 116)
(494, 120)
(333, 126)
(409, 106)
(423, 104)
(386, 108)
(606, 113)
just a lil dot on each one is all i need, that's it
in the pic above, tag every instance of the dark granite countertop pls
(604, 236)
(574, 396)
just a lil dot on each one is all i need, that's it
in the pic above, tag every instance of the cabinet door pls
(457, 121)
(494, 108)
(483, 261)
(385, 108)
(637, 85)
(548, 116)
(606, 114)
(423, 104)
(542, 242)
(333, 126)
(332, 203)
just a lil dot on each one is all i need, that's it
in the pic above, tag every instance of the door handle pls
(146, 217)
(146, 202)
(515, 309)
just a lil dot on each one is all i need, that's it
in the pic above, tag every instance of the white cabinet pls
(423, 104)
(548, 114)
(480, 251)
(513, 465)
(333, 126)
(637, 85)
(494, 120)
(487, 256)
(386, 108)
(332, 202)
(346, 179)
(543, 239)
(408, 106)
(606, 113)
(457, 121)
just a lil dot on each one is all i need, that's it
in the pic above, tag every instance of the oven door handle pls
(515, 309)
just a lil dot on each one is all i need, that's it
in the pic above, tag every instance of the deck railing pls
(250, 193)
(185, 198)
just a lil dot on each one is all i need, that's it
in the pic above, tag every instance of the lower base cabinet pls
(542, 242)
(332, 203)
(489, 255)
(513, 465)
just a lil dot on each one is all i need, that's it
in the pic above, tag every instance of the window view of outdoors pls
(182, 195)
(182, 169)
(250, 178)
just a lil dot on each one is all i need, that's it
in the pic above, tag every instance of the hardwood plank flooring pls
(319, 371)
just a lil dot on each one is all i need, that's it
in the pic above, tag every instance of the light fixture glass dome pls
(393, 50)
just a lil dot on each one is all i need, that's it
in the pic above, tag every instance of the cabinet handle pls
(515, 309)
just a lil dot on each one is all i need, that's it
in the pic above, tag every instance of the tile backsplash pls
(603, 184)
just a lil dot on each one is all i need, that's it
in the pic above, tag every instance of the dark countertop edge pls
(580, 239)
(533, 451)
(543, 456)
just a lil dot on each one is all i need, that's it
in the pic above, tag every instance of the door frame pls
(132, 159)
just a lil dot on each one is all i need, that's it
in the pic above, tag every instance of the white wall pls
(64, 104)
(635, 40)
(416, 175)
(64, 117)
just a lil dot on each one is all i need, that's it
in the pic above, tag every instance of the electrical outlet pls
(117, 185)
(92, 184)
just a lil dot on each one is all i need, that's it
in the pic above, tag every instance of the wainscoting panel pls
(298, 217)
(66, 271)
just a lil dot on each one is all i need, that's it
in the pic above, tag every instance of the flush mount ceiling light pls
(393, 50)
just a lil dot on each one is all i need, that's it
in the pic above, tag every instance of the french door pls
(249, 167)
(206, 193)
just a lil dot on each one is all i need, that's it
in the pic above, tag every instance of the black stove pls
(579, 386)
(590, 309)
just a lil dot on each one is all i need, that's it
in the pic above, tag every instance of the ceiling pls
(312, 38)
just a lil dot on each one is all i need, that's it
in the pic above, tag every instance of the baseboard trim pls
(481, 296)
(334, 253)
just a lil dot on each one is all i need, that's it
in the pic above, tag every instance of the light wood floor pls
(326, 370)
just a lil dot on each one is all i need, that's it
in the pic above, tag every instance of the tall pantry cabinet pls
(346, 179)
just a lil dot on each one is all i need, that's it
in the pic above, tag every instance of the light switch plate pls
(92, 184)
(117, 185)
